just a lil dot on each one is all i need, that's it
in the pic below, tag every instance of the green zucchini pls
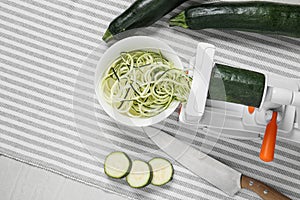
(162, 171)
(140, 174)
(236, 85)
(141, 13)
(261, 17)
(117, 165)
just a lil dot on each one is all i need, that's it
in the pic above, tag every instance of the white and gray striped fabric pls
(50, 118)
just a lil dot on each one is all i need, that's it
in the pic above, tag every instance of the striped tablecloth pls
(42, 47)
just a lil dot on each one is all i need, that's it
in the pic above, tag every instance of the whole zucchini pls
(141, 13)
(262, 17)
(236, 85)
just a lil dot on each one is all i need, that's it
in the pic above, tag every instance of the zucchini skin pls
(261, 17)
(141, 13)
(241, 86)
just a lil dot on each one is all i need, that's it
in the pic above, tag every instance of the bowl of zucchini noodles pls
(140, 81)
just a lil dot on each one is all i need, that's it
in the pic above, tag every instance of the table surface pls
(27, 182)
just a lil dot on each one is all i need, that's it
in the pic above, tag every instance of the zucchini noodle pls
(143, 84)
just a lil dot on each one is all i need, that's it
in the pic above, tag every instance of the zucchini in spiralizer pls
(140, 174)
(141, 13)
(117, 165)
(262, 17)
(236, 85)
(162, 171)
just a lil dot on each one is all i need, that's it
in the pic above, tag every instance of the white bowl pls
(112, 53)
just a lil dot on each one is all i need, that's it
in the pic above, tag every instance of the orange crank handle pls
(268, 145)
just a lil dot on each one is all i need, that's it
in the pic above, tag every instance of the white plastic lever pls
(296, 99)
(194, 109)
(284, 97)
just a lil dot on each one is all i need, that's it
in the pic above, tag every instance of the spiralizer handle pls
(268, 145)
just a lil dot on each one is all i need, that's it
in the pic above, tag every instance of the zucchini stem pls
(107, 36)
(179, 20)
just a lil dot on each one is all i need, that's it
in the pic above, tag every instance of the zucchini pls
(162, 171)
(241, 86)
(117, 165)
(141, 13)
(261, 17)
(140, 174)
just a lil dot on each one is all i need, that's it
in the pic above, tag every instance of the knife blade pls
(215, 172)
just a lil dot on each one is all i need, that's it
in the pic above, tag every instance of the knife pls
(218, 174)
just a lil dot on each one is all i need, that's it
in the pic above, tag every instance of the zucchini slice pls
(162, 171)
(140, 174)
(117, 165)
